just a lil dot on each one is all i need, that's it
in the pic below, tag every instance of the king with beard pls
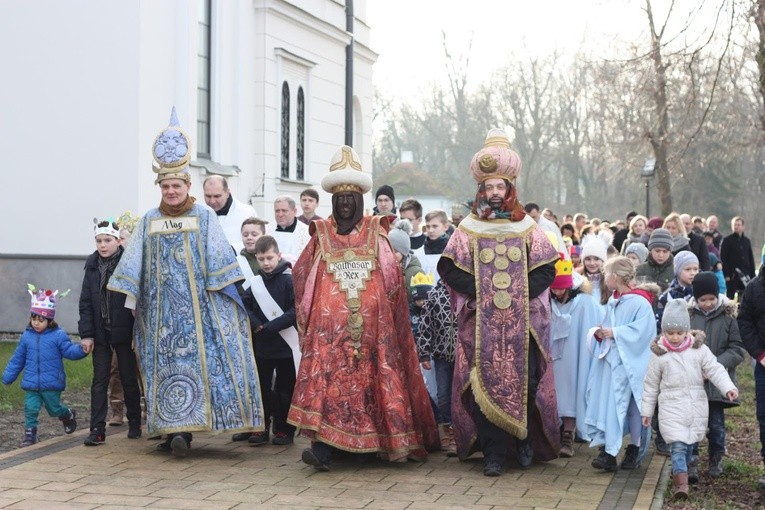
(359, 387)
(499, 265)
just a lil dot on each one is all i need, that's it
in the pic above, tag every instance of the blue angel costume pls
(618, 369)
(571, 361)
(192, 334)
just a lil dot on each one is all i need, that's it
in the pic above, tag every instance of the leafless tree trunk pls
(658, 136)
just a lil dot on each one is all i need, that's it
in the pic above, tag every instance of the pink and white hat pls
(44, 301)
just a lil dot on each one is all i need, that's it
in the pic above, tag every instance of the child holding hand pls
(675, 378)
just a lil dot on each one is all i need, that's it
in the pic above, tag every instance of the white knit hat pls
(594, 246)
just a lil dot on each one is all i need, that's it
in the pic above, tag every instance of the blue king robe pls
(192, 334)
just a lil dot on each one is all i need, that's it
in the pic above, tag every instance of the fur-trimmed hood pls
(728, 306)
(698, 340)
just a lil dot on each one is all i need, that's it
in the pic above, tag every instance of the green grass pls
(79, 375)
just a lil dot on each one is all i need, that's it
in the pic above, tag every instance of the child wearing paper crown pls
(574, 312)
(40, 354)
(679, 365)
(106, 329)
(715, 315)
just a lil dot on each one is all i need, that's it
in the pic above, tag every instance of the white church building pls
(260, 87)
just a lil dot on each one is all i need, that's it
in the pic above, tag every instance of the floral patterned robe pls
(359, 386)
(494, 331)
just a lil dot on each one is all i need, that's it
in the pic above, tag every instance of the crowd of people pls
(505, 332)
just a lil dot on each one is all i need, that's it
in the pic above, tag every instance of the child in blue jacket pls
(40, 353)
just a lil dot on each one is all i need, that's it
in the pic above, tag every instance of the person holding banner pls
(275, 339)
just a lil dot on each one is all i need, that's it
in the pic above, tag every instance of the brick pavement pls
(218, 474)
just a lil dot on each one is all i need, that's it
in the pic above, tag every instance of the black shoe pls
(599, 462)
(310, 457)
(610, 464)
(525, 453)
(662, 448)
(491, 468)
(693, 470)
(282, 439)
(631, 457)
(134, 430)
(241, 436)
(70, 421)
(179, 446)
(258, 439)
(95, 438)
(716, 465)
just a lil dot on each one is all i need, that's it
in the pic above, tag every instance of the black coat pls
(751, 316)
(268, 343)
(736, 253)
(698, 246)
(90, 324)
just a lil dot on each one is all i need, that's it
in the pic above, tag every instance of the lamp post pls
(649, 168)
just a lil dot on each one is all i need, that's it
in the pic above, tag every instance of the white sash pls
(246, 270)
(272, 310)
(289, 245)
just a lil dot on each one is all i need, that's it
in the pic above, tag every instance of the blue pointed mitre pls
(172, 151)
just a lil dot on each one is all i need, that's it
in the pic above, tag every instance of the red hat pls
(564, 274)
(655, 222)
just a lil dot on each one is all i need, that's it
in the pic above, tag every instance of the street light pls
(649, 168)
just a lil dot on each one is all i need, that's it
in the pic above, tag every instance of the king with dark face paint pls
(359, 355)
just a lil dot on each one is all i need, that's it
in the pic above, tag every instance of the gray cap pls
(676, 317)
(660, 238)
(638, 249)
(399, 237)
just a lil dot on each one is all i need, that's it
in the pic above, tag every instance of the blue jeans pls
(759, 391)
(444, 376)
(34, 401)
(681, 455)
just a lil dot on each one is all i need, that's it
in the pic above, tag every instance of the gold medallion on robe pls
(501, 263)
(486, 255)
(502, 299)
(501, 280)
(514, 253)
(500, 249)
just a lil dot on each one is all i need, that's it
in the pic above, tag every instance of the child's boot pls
(134, 429)
(30, 436)
(693, 470)
(567, 444)
(69, 421)
(680, 486)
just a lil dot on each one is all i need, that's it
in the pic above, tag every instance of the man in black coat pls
(736, 254)
(751, 323)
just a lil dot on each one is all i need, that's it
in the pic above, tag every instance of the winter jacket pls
(698, 246)
(676, 380)
(662, 275)
(91, 324)
(751, 317)
(268, 343)
(437, 333)
(736, 253)
(40, 356)
(722, 338)
(410, 271)
(676, 290)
